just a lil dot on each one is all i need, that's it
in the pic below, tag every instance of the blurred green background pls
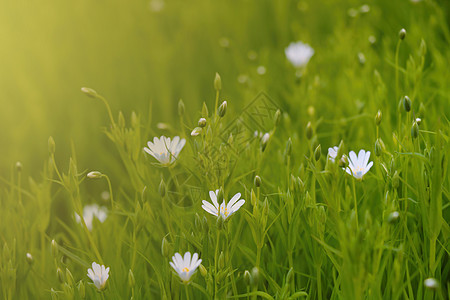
(152, 53)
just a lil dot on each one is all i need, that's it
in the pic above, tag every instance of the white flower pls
(299, 54)
(185, 267)
(164, 149)
(223, 210)
(332, 153)
(91, 211)
(358, 166)
(99, 275)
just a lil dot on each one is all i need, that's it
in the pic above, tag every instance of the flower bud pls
(317, 152)
(217, 82)
(81, 289)
(94, 175)
(134, 119)
(54, 294)
(415, 130)
(69, 277)
(431, 283)
(204, 110)
(395, 180)
(378, 118)
(290, 276)
(162, 188)
(255, 276)
(51, 145)
(418, 121)
(264, 141)
(343, 162)
(220, 195)
(196, 131)
(131, 280)
(30, 259)
(89, 92)
(121, 120)
(54, 249)
(393, 217)
(277, 118)
(19, 166)
(221, 260)
(222, 109)
(309, 131)
(377, 148)
(181, 107)
(402, 34)
(406, 103)
(247, 278)
(60, 275)
(288, 150)
(421, 111)
(202, 122)
(257, 181)
(203, 270)
(165, 248)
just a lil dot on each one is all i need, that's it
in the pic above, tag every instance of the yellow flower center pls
(185, 270)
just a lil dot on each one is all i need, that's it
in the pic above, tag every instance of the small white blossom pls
(299, 54)
(90, 212)
(359, 165)
(332, 153)
(99, 275)
(185, 267)
(164, 149)
(224, 210)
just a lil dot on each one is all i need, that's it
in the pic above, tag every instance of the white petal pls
(368, 167)
(361, 156)
(234, 199)
(210, 208)
(178, 260)
(366, 159)
(213, 197)
(353, 159)
(236, 206)
(187, 259)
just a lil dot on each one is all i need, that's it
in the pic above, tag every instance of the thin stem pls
(187, 292)
(356, 203)
(110, 190)
(216, 255)
(319, 283)
(108, 109)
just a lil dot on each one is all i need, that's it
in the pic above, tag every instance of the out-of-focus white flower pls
(164, 149)
(224, 210)
(299, 54)
(332, 153)
(99, 275)
(185, 267)
(156, 5)
(359, 165)
(90, 212)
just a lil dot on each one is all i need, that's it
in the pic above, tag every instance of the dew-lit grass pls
(316, 172)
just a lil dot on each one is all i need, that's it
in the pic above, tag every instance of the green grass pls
(309, 231)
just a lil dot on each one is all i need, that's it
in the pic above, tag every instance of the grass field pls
(249, 182)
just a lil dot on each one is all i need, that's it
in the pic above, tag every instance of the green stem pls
(319, 283)
(110, 190)
(108, 109)
(432, 254)
(356, 204)
(187, 292)
(216, 258)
